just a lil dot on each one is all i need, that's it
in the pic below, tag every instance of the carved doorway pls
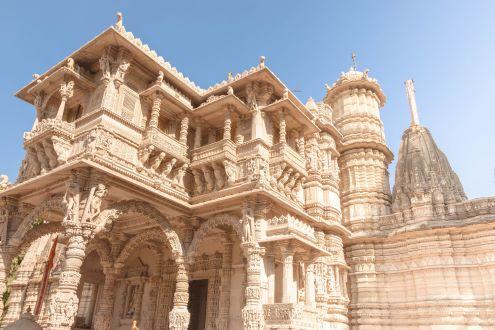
(198, 294)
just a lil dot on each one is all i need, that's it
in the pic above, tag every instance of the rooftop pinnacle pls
(411, 96)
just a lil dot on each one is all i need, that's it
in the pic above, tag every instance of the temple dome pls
(26, 322)
(355, 79)
(423, 173)
(312, 106)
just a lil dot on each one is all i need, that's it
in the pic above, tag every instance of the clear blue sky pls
(447, 49)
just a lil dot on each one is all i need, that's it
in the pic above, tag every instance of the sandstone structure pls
(147, 202)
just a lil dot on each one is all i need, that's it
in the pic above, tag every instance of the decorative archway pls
(114, 211)
(102, 248)
(217, 221)
(179, 316)
(29, 223)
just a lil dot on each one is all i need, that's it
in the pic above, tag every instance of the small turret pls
(356, 99)
(423, 175)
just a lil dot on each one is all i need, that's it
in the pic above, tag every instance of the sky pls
(447, 47)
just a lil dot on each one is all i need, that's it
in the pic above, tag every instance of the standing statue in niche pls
(95, 205)
(248, 230)
(71, 201)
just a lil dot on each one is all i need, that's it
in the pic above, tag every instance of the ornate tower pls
(356, 100)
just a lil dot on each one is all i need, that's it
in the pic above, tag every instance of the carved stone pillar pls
(184, 127)
(5, 261)
(38, 105)
(66, 92)
(270, 272)
(155, 111)
(179, 315)
(310, 286)
(282, 126)
(227, 125)
(63, 306)
(252, 313)
(103, 317)
(223, 314)
(212, 135)
(301, 144)
(288, 274)
(197, 135)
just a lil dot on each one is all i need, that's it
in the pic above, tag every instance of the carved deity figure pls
(199, 187)
(291, 183)
(71, 200)
(248, 229)
(144, 154)
(277, 172)
(95, 205)
(230, 172)
(70, 63)
(155, 163)
(4, 182)
(179, 175)
(169, 166)
(284, 178)
(105, 63)
(159, 78)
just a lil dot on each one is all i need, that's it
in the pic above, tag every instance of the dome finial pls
(119, 24)
(411, 96)
(354, 64)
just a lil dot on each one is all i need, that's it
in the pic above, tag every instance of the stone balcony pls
(165, 143)
(289, 316)
(288, 171)
(214, 166)
(48, 145)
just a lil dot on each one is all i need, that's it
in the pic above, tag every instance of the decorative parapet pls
(289, 224)
(288, 315)
(50, 125)
(151, 53)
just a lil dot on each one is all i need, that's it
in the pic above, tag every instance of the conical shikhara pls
(147, 202)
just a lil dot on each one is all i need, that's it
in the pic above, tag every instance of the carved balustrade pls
(214, 166)
(48, 145)
(287, 224)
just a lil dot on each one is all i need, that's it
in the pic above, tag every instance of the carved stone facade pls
(145, 201)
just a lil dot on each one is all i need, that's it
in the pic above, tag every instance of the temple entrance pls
(198, 294)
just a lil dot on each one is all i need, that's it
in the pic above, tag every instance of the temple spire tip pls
(411, 97)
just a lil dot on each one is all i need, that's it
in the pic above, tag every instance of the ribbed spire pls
(411, 97)
(423, 173)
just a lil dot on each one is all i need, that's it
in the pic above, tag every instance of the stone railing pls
(51, 125)
(282, 152)
(287, 223)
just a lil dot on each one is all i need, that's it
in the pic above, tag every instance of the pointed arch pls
(218, 221)
(114, 211)
(102, 248)
(28, 224)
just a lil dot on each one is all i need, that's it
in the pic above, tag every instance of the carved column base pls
(62, 310)
(252, 317)
(179, 318)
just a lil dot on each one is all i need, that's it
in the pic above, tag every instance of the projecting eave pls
(294, 111)
(257, 74)
(148, 61)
